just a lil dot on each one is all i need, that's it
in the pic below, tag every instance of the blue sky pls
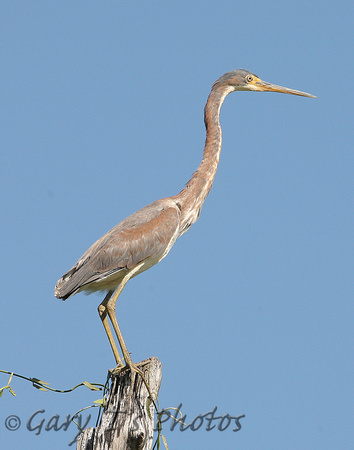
(251, 312)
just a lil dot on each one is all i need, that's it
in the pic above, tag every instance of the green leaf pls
(91, 386)
(37, 386)
(36, 380)
(164, 441)
(12, 392)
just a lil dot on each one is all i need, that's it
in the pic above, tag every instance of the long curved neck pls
(192, 197)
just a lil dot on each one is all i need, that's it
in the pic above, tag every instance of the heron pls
(145, 237)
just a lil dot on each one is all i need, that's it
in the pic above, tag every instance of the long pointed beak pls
(263, 86)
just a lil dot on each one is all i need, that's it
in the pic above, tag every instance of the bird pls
(145, 237)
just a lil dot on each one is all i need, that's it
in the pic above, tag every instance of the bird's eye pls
(249, 78)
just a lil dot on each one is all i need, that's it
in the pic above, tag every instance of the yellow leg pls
(102, 310)
(110, 307)
(111, 311)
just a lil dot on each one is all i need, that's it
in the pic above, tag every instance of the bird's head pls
(243, 80)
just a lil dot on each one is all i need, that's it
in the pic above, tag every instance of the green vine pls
(44, 386)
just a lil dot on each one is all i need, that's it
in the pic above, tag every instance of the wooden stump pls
(126, 423)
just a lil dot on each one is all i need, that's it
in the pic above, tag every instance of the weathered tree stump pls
(127, 421)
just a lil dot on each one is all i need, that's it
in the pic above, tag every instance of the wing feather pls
(146, 235)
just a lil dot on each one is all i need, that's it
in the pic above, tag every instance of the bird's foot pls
(133, 368)
(120, 367)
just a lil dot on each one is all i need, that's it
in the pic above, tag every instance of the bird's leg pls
(111, 311)
(102, 310)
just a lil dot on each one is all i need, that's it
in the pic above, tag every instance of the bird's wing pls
(148, 234)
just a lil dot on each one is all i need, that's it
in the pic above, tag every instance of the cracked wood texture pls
(125, 422)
